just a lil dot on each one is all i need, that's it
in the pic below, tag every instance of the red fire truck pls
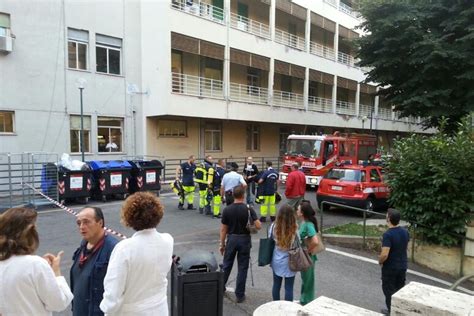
(317, 154)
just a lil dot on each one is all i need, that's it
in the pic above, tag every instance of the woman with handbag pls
(307, 231)
(284, 232)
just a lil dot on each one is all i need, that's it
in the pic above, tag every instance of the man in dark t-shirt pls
(186, 169)
(235, 239)
(393, 257)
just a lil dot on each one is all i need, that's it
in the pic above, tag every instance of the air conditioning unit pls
(6, 44)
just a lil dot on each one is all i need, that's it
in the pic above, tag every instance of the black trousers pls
(392, 281)
(237, 245)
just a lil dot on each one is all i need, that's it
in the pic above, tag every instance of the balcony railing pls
(321, 50)
(319, 104)
(197, 86)
(248, 94)
(250, 26)
(384, 113)
(201, 9)
(347, 108)
(346, 59)
(348, 10)
(365, 110)
(288, 99)
(331, 2)
(288, 39)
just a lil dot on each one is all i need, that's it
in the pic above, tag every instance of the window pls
(77, 47)
(75, 133)
(213, 136)
(109, 134)
(169, 128)
(4, 24)
(253, 137)
(374, 176)
(108, 54)
(6, 122)
(344, 175)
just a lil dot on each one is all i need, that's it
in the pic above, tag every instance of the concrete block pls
(329, 307)
(277, 308)
(421, 299)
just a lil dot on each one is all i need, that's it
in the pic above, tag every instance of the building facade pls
(171, 78)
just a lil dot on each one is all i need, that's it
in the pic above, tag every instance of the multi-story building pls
(177, 77)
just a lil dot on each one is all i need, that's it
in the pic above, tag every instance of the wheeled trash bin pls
(110, 178)
(145, 176)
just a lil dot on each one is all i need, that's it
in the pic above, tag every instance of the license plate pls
(336, 188)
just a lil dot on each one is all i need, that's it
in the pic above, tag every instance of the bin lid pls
(109, 164)
(149, 164)
(194, 259)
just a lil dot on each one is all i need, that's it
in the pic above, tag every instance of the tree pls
(421, 54)
(431, 180)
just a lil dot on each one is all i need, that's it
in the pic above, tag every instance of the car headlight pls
(314, 181)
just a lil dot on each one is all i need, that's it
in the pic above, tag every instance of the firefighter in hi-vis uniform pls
(204, 176)
(219, 172)
(187, 172)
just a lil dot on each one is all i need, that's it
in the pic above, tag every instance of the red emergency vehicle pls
(319, 153)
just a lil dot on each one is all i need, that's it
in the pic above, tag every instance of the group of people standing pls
(106, 276)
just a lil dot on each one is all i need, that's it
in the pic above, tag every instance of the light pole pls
(81, 83)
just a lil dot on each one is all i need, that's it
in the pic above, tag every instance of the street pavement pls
(342, 274)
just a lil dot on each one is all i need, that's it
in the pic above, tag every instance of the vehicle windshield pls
(344, 175)
(305, 147)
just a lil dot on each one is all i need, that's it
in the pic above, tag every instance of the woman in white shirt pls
(29, 284)
(135, 283)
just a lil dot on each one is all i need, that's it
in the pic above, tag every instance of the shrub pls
(431, 179)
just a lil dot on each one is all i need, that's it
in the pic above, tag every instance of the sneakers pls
(240, 299)
(207, 210)
(217, 216)
(272, 218)
(201, 210)
(180, 206)
(263, 219)
(191, 207)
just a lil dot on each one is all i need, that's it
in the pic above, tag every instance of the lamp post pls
(81, 83)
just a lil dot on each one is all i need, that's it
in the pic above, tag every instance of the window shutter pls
(239, 57)
(108, 40)
(282, 67)
(184, 43)
(323, 22)
(78, 35)
(297, 71)
(260, 62)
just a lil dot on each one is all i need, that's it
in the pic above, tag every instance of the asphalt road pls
(338, 274)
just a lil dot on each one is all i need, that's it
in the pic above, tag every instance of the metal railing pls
(319, 104)
(199, 8)
(249, 94)
(331, 2)
(288, 99)
(321, 50)
(384, 113)
(348, 10)
(197, 86)
(346, 59)
(288, 39)
(250, 26)
(365, 110)
(347, 108)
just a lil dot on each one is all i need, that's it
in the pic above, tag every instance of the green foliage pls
(422, 55)
(431, 179)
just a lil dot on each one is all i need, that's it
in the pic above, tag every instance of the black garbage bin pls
(110, 178)
(197, 288)
(74, 184)
(145, 175)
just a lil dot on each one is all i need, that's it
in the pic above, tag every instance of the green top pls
(307, 229)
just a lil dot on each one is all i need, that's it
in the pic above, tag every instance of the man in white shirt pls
(231, 180)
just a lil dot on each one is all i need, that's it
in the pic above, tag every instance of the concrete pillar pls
(272, 18)
(308, 30)
(328, 306)
(306, 88)
(227, 52)
(376, 104)
(271, 75)
(277, 308)
(357, 99)
(334, 94)
(336, 39)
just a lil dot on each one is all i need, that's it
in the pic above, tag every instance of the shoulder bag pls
(251, 223)
(298, 257)
(265, 249)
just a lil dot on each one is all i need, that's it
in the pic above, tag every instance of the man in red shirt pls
(295, 186)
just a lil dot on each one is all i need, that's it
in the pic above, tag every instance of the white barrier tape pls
(69, 210)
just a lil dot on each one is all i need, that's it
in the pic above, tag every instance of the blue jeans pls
(237, 245)
(289, 282)
(250, 192)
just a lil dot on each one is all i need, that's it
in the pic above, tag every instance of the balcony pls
(321, 50)
(288, 99)
(348, 10)
(346, 108)
(199, 8)
(331, 2)
(196, 86)
(345, 59)
(384, 113)
(290, 40)
(250, 26)
(365, 110)
(319, 104)
(248, 94)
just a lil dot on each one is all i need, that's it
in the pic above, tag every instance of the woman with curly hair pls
(308, 231)
(135, 283)
(29, 284)
(283, 231)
